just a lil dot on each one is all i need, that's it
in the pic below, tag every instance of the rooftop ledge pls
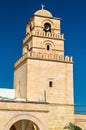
(23, 106)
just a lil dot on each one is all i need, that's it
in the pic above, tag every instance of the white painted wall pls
(8, 93)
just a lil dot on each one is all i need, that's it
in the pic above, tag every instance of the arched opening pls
(13, 128)
(80, 126)
(24, 125)
(48, 47)
(21, 120)
(47, 27)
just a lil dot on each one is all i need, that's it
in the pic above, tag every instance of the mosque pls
(42, 98)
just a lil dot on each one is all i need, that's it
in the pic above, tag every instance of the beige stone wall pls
(40, 72)
(80, 120)
(36, 37)
(11, 112)
(59, 116)
(38, 41)
(45, 116)
(38, 23)
(39, 44)
(20, 80)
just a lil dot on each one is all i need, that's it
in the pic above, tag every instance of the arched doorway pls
(24, 125)
(25, 122)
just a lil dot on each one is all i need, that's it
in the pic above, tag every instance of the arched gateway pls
(24, 122)
(24, 125)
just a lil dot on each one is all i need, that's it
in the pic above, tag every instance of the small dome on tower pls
(43, 12)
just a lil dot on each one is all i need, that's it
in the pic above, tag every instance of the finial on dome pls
(43, 12)
(42, 6)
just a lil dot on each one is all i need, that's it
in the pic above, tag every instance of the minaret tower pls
(43, 73)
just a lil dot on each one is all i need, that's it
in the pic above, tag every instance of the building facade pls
(43, 80)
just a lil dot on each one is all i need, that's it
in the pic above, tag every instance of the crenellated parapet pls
(44, 34)
(43, 56)
(21, 60)
(49, 34)
(52, 57)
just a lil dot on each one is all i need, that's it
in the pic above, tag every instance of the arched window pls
(48, 47)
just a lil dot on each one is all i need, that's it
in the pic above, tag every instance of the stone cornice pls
(80, 120)
(23, 106)
(60, 104)
(48, 17)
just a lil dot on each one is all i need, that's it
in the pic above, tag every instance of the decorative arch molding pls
(48, 42)
(14, 119)
(80, 125)
(47, 21)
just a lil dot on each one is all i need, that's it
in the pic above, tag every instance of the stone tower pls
(43, 74)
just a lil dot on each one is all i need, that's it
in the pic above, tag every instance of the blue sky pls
(13, 17)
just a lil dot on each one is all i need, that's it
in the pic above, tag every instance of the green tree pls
(72, 126)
